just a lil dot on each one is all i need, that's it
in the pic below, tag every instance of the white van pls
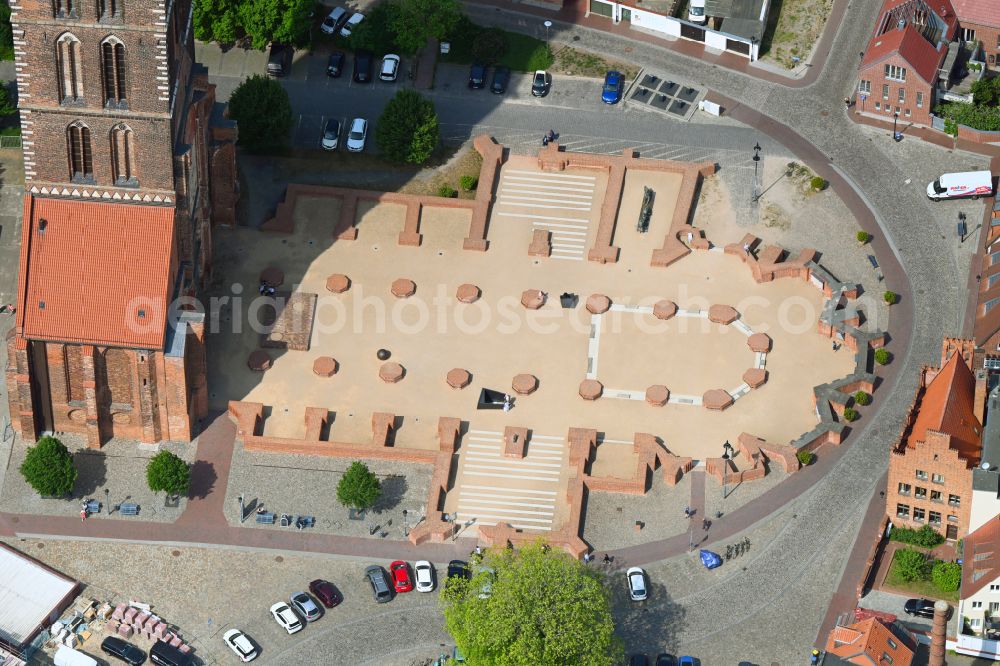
(973, 184)
(696, 12)
(66, 656)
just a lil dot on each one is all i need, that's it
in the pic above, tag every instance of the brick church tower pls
(129, 163)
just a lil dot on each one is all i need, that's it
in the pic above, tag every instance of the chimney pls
(938, 634)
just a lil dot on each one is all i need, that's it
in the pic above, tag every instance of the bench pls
(302, 522)
(92, 506)
(129, 509)
(265, 518)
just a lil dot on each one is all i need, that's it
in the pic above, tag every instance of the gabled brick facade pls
(115, 110)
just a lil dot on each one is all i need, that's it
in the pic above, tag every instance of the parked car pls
(351, 24)
(501, 77)
(306, 607)
(357, 136)
(921, 608)
(335, 64)
(664, 659)
(477, 76)
(611, 93)
(401, 578)
(696, 12)
(638, 660)
(331, 134)
(165, 654)
(123, 650)
(459, 569)
(286, 617)
(363, 66)
(326, 592)
(279, 60)
(636, 584)
(540, 83)
(425, 576)
(334, 21)
(489, 577)
(379, 581)
(973, 184)
(688, 661)
(240, 644)
(390, 67)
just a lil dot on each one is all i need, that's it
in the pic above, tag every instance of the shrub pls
(407, 130)
(806, 457)
(168, 473)
(864, 237)
(48, 467)
(980, 117)
(882, 356)
(359, 488)
(264, 113)
(850, 414)
(946, 576)
(862, 398)
(375, 33)
(911, 565)
(468, 183)
(6, 33)
(817, 183)
(889, 297)
(447, 191)
(7, 106)
(490, 46)
(925, 537)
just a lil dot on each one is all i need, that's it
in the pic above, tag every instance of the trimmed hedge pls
(925, 537)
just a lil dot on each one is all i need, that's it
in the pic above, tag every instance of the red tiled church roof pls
(947, 406)
(920, 55)
(95, 273)
(982, 12)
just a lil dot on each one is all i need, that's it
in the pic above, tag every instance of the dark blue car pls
(611, 93)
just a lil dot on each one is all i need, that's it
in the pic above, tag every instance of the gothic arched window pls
(113, 69)
(123, 155)
(81, 157)
(70, 68)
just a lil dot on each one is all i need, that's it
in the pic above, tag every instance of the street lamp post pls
(727, 450)
(756, 161)
(547, 24)
(106, 493)
(895, 132)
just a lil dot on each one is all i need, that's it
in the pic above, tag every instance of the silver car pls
(306, 607)
(636, 584)
(357, 136)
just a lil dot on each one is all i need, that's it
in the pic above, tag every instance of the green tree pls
(544, 608)
(168, 473)
(911, 565)
(408, 130)
(376, 33)
(7, 107)
(282, 21)
(882, 356)
(48, 467)
(217, 20)
(986, 92)
(416, 21)
(946, 576)
(6, 32)
(261, 107)
(862, 398)
(490, 46)
(359, 488)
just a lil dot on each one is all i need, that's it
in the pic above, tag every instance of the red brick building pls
(931, 467)
(979, 21)
(870, 642)
(900, 71)
(128, 164)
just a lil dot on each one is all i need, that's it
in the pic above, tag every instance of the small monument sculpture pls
(646, 211)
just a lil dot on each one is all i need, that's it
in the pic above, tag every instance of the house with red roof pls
(908, 60)
(979, 21)
(870, 642)
(931, 466)
(979, 599)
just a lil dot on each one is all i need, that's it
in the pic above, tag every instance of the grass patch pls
(524, 53)
(793, 28)
(918, 588)
(574, 62)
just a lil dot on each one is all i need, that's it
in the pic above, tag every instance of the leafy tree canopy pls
(262, 21)
(6, 32)
(544, 609)
(48, 467)
(168, 473)
(264, 113)
(416, 21)
(408, 129)
(7, 106)
(376, 33)
(359, 488)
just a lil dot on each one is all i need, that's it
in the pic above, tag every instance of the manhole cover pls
(279, 558)
(824, 114)
(175, 553)
(40, 545)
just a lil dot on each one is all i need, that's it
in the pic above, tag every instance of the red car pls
(325, 591)
(401, 578)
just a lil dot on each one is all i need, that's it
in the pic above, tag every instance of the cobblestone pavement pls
(236, 590)
(119, 467)
(888, 602)
(307, 485)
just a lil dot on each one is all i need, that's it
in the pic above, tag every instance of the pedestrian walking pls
(479, 551)
(688, 512)
(83, 515)
(847, 102)
(746, 249)
(729, 553)
(690, 238)
(705, 524)
(607, 560)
